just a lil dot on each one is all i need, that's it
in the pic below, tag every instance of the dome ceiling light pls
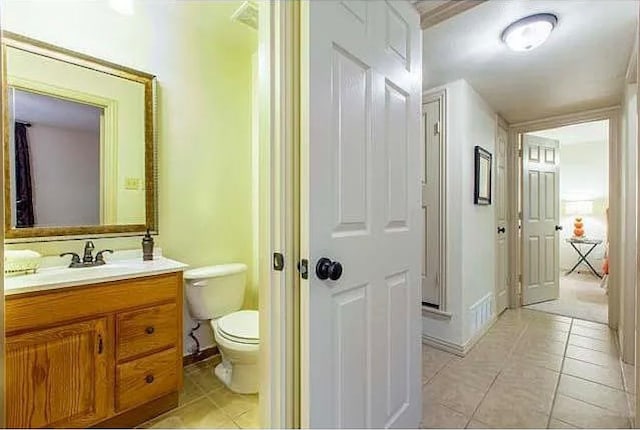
(529, 32)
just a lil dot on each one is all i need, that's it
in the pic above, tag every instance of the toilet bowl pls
(237, 337)
(215, 294)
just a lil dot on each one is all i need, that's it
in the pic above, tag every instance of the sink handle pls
(100, 256)
(75, 258)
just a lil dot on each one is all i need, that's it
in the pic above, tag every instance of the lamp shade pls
(579, 207)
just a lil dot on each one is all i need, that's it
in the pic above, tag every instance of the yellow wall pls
(203, 63)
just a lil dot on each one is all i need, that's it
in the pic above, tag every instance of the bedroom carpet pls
(580, 297)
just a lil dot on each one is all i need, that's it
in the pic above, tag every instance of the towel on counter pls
(20, 254)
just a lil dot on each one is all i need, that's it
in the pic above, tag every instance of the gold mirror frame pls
(149, 81)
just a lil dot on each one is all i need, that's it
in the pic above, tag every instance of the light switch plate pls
(132, 183)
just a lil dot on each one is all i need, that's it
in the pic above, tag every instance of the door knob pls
(327, 269)
(501, 229)
(558, 227)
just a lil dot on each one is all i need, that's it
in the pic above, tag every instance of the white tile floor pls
(206, 403)
(531, 370)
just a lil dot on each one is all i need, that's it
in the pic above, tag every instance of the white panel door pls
(361, 208)
(502, 238)
(540, 219)
(431, 291)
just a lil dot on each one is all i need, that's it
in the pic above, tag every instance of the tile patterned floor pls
(531, 370)
(206, 403)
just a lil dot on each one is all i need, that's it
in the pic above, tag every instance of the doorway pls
(565, 222)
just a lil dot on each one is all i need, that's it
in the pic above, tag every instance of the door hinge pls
(303, 268)
(436, 127)
(520, 153)
(278, 261)
(520, 278)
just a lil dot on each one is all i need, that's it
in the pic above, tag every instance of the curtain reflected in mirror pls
(24, 191)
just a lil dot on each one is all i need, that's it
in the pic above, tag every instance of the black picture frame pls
(483, 172)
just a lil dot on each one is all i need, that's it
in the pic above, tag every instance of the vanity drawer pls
(146, 330)
(145, 379)
(47, 308)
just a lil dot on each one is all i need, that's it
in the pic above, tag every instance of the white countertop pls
(116, 269)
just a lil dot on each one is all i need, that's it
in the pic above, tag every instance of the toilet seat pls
(240, 327)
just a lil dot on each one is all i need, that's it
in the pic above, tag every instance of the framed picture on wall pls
(482, 192)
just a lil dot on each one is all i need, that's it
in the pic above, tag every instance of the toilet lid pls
(241, 326)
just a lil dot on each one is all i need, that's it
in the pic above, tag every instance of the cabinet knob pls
(149, 379)
(149, 330)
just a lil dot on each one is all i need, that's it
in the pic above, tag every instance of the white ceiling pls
(588, 132)
(55, 112)
(581, 66)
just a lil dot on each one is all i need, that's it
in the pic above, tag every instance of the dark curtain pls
(24, 192)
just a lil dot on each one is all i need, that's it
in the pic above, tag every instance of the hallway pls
(531, 370)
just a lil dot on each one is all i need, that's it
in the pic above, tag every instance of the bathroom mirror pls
(78, 144)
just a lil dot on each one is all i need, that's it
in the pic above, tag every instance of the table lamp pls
(578, 208)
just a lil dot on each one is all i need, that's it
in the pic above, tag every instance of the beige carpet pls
(580, 297)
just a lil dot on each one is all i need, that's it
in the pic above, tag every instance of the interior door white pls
(361, 333)
(540, 219)
(431, 291)
(502, 235)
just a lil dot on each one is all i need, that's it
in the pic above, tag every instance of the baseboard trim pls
(444, 345)
(142, 413)
(200, 356)
(454, 348)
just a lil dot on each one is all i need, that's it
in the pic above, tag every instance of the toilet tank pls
(215, 291)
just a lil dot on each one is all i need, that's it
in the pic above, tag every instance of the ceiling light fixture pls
(530, 32)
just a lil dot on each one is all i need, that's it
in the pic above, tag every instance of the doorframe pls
(279, 113)
(439, 95)
(502, 123)
(615, 177)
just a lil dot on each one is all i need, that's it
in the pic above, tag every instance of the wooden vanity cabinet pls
(101, 355)
(58, 377)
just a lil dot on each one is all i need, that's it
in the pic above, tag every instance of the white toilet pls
(216, 294)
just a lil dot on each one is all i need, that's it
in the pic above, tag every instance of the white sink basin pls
(62, 277)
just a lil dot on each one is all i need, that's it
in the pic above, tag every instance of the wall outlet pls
(132, 183)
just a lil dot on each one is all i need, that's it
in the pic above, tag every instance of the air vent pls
(247, 14)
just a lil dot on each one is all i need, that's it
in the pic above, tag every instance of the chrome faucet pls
(87, 260)
(88, 249)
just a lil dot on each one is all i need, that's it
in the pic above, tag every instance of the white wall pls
(584, 175)
(470, 267)
(65, 171)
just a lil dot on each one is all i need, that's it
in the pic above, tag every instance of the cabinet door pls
(58, 377)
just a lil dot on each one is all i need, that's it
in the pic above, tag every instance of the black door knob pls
(558, 227)
(327, 269)
(501, 229)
